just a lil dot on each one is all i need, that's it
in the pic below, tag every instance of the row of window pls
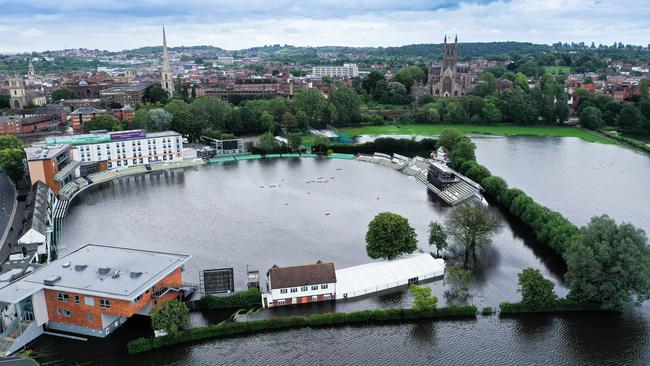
(304, 288)
(88, 301)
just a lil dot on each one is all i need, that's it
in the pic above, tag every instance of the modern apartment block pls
(89, 292)
(125, 148)
(52, 165)
(347, 70)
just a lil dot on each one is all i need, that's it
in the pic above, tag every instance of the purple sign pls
(128, 135)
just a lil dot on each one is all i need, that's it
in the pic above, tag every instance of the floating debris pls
(377, 198)
(286, 204)
(282, 180)
(339, 168)
(273, 186)
(327, 213)
(332, 177)
(308, 192)
(261, 186)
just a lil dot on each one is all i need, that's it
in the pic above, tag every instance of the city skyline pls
(116, 25)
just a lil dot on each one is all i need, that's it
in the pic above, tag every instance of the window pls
(280, 302)
(66, 313)
(314, 298)
(314, 288)
(76, 299)
(103, 303)
(323, 287)
(304, 288)
(138, 298)
(294, 289)
(90, 318)
(413, 280)
(89, 301)
(63, 297)
(283, 291)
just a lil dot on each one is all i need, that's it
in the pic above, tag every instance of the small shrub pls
(487, 311)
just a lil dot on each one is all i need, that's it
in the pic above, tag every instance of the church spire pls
(167, 81)
(445, 39)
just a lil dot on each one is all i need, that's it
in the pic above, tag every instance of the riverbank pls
(230, 329)
(506, 130)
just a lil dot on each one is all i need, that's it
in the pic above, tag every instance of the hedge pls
(387, 145)
(560, 306)
(317, 320)
(250, 297)
(632, 142)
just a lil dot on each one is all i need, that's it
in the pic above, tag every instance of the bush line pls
(626, 140)
(560, 306)
(317, 320)
(248, 298)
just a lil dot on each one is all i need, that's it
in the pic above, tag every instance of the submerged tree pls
(535, 289)
(437, 237)
(609, 265)
(172, 317)
(422, 298)
(471, 225)
(459, 278)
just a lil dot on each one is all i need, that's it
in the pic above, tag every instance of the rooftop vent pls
(103, 270)
(51, 280)
(136, 274)
(116, 274)
(80, 267)
(66, 264)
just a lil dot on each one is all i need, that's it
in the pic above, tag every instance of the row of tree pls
(599, 110)
(607, 264)
(11, 157)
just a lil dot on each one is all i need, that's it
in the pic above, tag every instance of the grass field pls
(509, 130)
(558, 69)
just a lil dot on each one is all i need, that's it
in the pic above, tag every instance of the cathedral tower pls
(449, 55)
(18, 99)
(167, 80)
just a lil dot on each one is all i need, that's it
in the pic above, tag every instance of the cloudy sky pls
(33, 25)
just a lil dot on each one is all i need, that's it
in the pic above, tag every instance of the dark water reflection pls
(221, 216)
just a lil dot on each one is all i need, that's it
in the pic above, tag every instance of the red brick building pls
(91, 292)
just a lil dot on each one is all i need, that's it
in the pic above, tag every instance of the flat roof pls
(44, 152)
(100, 270)
(367, 278)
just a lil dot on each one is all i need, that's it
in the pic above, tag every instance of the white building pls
(347, 70)
(125, 148)
(36, 234)
(300, 284)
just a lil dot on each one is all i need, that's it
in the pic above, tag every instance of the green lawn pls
(558, 69)
(436, 129)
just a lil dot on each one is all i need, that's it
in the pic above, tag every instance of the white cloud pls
(120, 24)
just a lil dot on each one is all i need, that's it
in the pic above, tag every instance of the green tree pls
(471, 225)
(491, 113)
(521, 81)
(267, 142)
(389, 236)
(320, 144)
(459, 278)
(12, 162)
(437, 237)
(422, 298)
(10, 142)
(535, 289)
(456, 113)
(487, 85)
(63, 93)
(630, 118)
(591, 118)
(172, 317)
(158, 120)
(462, 151)
(266, 122)
(156, 94)
(407, 76)
(609, 265)
(289, 122)
(448, 138)
(347, 105)
(312, 103)
(4, 100)
(102, 122)
(294, 141)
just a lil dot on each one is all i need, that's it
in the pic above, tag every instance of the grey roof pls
(36, 217)
(45, 152)
(113, 272)
(89, 110)
(151, 135)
